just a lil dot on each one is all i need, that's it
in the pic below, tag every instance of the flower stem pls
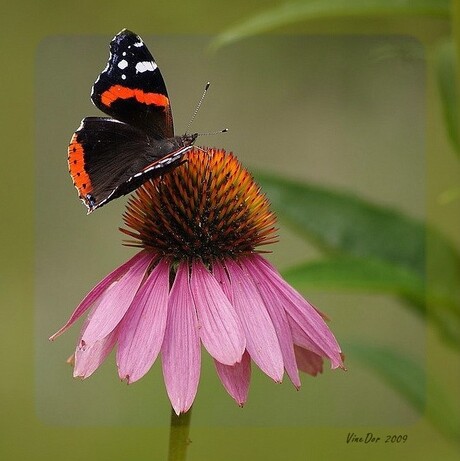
(178, 437)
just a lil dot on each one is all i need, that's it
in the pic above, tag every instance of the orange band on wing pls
(76, 161)
(121, 92)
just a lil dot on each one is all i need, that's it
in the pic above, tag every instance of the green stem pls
(178, 437)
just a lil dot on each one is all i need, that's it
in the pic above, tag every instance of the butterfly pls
(111, 156)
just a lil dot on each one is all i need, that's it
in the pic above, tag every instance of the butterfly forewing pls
(131, 88)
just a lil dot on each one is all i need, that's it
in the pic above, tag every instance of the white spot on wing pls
(139, 43)
(123, 76)
(145, 66)
(123, 64)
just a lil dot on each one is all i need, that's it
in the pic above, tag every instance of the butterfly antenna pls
(198, 106)
(225, 130)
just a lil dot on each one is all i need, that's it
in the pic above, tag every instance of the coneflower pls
(201, 280)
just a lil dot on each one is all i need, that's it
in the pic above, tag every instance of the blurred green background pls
(355, 105)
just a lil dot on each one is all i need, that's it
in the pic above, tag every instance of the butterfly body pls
(111, 156)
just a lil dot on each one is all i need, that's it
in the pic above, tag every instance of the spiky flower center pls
(208, 208)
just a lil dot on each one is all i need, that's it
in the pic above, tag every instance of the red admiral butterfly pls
(110, 157)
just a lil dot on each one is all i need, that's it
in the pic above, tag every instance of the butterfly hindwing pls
(131, 88)
(108, 158)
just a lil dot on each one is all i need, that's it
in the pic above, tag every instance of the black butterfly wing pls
(131, 88)
(108, 158)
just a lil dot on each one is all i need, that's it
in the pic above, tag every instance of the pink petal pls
(95, 293)
(181, 355)
(89, 358)
(236, 378)
(278, 316)
(222, 278)
(308, 361)
(116, 301)
(220, 328)
(261, 340)
(302, 340)
(265, 263)
(305, 317)
(143, 327)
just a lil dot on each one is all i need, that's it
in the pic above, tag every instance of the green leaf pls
(345, 224)
(409, 379)
(376, 277)
(306, 10)
(446, 76)
(385, 240)
(357, 274)
(404, 375)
